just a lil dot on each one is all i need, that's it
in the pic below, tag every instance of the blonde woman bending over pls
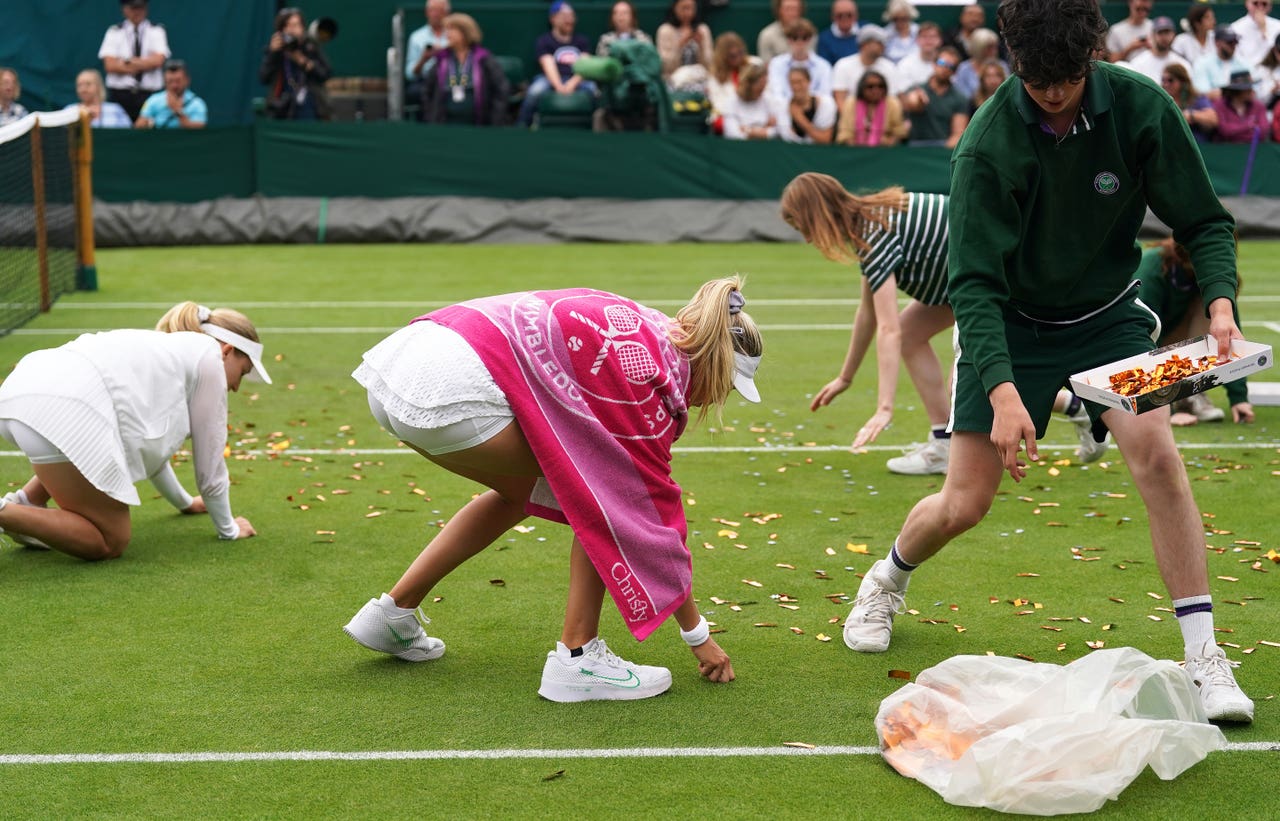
(565, 405)
(106, 410)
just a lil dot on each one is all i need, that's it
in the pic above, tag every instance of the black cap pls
(1240, 81)
(175, 64)
(1225, 34)
(135, 4)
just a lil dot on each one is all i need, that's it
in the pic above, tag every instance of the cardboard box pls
(1264, 393)
(1247, 358)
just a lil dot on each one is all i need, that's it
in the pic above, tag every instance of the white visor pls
(744, 372)
(244, 345)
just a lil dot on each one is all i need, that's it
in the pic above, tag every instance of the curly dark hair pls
(1051, 41)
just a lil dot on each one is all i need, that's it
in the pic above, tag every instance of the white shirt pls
(1123, 33)
(418, 42)
(1255, 42)
(756, 114)
(914, 69)
(1189, 48)
(897, 46)
(119, 41)
(1266, 81)
(780, 66)
(849, 70)
(824, 116)
(1146, 62)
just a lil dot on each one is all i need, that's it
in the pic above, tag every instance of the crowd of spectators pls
(845, 80)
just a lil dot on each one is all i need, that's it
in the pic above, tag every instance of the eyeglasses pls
(947, 65)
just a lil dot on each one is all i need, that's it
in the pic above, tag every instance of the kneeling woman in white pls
(108, 409)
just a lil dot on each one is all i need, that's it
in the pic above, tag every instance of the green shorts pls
(1044, 357)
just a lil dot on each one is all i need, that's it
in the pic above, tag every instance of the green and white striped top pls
(913, 248)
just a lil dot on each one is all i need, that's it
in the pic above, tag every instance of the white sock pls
(893, 571)
(389, 604)
(1195, 619)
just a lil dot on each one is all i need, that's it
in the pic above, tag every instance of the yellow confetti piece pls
(731, 534)
(822, 637)
(373, 515)
(1062, 646)
(326, 532)
(856, 548)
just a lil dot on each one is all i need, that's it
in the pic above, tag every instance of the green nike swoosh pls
(632, 680)
(403, 641)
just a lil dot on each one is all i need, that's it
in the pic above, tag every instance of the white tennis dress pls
(119, 404)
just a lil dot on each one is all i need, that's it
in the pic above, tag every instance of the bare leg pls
(1177, 533)
(87, 523)
(36, 494)
(586, 596)
(919, 324)
(966, 496)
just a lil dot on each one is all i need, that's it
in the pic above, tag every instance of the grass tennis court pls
(190, 645)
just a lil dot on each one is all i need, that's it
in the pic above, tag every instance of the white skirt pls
(427, 376)
(60, 395)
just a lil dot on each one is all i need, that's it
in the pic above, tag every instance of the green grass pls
(190, 644)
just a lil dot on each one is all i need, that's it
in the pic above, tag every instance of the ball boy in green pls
(1049, 187)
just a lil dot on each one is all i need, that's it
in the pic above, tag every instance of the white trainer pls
(1201, 407)
(1222, 698)
(1090, 450)
(598, 675)
(870, 623)
(18, 497)
(380, 627)
(931, 457)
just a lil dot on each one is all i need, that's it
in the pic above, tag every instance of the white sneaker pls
(1199, 406)
(598, 675)
(17, 497)
(870, 623)
(380, 627)
(931, 457)
(1090, 450)
(1222, 697)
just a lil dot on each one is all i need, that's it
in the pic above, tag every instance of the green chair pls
(513, 67)
(565, 110)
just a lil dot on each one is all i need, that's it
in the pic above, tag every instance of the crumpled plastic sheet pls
(1044, 739)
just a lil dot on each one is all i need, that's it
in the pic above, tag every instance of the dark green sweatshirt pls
(1048, 227)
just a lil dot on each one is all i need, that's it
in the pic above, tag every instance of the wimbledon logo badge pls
(1106, 183)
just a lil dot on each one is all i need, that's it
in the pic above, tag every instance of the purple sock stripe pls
(1203, 607)
(899, 562)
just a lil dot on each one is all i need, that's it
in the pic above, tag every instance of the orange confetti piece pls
(902, 674)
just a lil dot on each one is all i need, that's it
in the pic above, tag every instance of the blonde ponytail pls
(189, 316)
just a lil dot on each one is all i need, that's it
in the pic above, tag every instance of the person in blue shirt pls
(841, 38)
(175, 107)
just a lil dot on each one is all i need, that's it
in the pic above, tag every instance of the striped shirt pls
(913, 249)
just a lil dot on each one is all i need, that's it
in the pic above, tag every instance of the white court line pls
(481, 755)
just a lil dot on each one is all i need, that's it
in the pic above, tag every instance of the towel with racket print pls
(599, 392)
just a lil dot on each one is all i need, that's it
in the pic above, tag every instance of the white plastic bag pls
(1042, 739)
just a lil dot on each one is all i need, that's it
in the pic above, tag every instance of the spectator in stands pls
(752, 115)
(423, 45)
(465, 84)
(1213, 71)
(132, 53)
(1196, 108)
(989, 79)
(872, 117)
(1153, 60)
(727, 59)
(1132, 34)
(984, 47)
(295, 69)
(772, 39)
(846, 73)
(1197, 40)
(1241, 116)
(806, 117)
(800, 37)
(557, 51)
(1257, 30)
(684, 43)
(900, 34)
(93, 100)
(1266, 76)
(623, 25)
(917, 67)
(972, 17)
(937, 110)
(177, 106)
(10, 89)
(840, 39)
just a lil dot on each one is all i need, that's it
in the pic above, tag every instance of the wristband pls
(699, 634)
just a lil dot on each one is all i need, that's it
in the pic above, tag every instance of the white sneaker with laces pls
(17, 497)
(380, 627)
(1199, 406)
(1089, 450)
(870, 623)
(931, 457)
(598, 675)
(1222, 698)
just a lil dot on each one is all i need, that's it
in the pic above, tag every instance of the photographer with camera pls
(295, 68)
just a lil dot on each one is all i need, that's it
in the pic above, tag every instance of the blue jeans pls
(541, 85)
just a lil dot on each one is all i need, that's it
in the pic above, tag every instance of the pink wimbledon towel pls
(599, 391)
